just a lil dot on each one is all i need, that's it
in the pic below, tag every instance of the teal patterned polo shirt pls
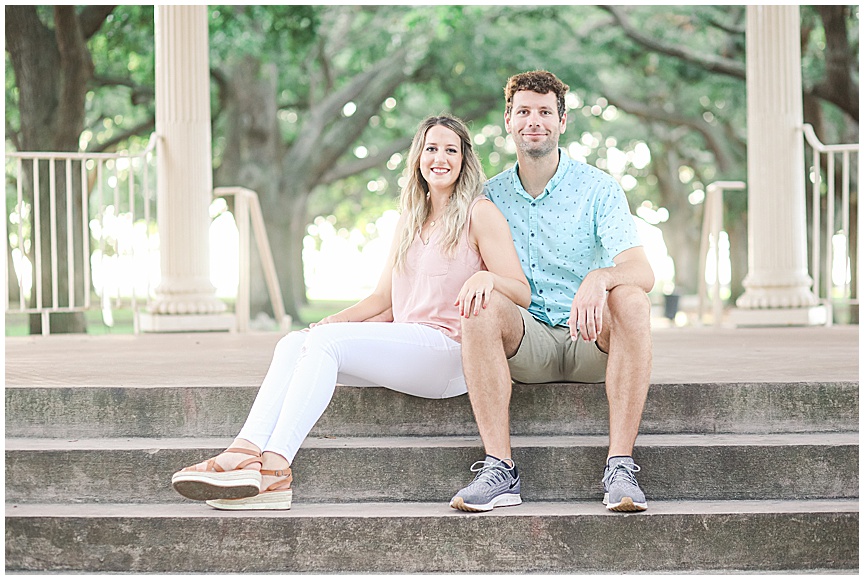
(578, 224)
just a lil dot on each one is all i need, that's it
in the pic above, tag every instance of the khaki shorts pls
(548, 355)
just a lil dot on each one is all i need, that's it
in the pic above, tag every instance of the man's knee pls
(495, 320)
(629, 307)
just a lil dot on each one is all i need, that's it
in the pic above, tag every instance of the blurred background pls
(313, 107)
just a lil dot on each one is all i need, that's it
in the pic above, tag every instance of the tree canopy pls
(312, 104)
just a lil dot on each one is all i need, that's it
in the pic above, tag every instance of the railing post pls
(283, 320)
(37, 208)
(815, 260)
(712, 225)
(20, 190)
(825, 271)
(247, 213)
(52, 191)
(85, 232)
(241, 217)
(54, 224)
(7, 250)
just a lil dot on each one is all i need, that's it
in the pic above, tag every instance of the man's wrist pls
(601, 276)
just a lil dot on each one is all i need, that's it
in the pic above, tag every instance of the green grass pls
(18, 324)
(316, 310)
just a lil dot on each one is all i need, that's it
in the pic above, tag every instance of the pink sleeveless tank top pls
(425, 289)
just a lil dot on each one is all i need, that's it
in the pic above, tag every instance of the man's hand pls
(586, 314)
(475, 293)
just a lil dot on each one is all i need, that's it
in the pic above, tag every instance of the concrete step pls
(355, 469)
(543, 537)
(552, 409)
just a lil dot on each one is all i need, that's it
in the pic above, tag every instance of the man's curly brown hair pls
(539, 81)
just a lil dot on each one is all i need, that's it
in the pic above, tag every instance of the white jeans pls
(405, 357)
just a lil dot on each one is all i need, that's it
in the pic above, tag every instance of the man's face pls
(533, 121)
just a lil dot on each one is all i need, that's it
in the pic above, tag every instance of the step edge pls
(800, 439)
(362, 510)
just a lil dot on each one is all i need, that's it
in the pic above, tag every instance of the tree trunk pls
(299, 220)
(682, 230)
(251, 156)
(52, 71)
(287, 245)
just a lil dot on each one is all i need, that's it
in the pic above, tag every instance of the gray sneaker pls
(622, 490)
(496, 485)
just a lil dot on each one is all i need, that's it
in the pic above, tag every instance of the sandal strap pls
(215, 467)
(245, 462)
(282, 484)
(256, 458)
(241, 450)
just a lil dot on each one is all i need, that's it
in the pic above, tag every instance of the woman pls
(451, 250)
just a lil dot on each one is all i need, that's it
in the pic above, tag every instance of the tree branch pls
(138, 129)
(645, 111)
(838, 86)
(13, 135)
(92, 18)
(302, 104)
(225, 89)
(349, 168)
(140, 93)
(311, 140)
(707, 61)
(76, 70)
(389, 73)
(731, 27)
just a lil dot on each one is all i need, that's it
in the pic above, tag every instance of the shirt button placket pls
(534, 247)
(532, 234)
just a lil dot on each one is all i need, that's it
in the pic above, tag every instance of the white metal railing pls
(247, 209)
(828, 292)
(821, 271)
(712, 225)
(92, 169)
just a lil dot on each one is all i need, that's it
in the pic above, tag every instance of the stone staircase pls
(740, 477)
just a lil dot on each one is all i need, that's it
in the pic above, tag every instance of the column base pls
(150, 322)
(807, 316)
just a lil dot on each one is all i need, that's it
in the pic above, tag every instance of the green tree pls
(53, 69)
(312, 103)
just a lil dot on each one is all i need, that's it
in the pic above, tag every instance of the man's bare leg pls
(488, 340)
(626, 336)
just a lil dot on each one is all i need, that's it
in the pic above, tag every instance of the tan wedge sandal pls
(277, 495)
(209, 480)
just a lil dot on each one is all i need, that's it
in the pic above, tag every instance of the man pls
(589, 318)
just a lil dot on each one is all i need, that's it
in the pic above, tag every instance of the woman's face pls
(441, 159)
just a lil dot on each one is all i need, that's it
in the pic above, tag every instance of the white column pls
(777, 285)
(185, 298)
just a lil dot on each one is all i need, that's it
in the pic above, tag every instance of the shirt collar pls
(564, 163)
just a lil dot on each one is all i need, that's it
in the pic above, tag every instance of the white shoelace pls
(622, 471)
(489, 473)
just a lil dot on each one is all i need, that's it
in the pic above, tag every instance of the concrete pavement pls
(681, 355)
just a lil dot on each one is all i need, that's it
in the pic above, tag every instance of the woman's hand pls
(330, 320)
(475, 293)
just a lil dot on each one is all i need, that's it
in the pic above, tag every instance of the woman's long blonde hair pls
(413, 202)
